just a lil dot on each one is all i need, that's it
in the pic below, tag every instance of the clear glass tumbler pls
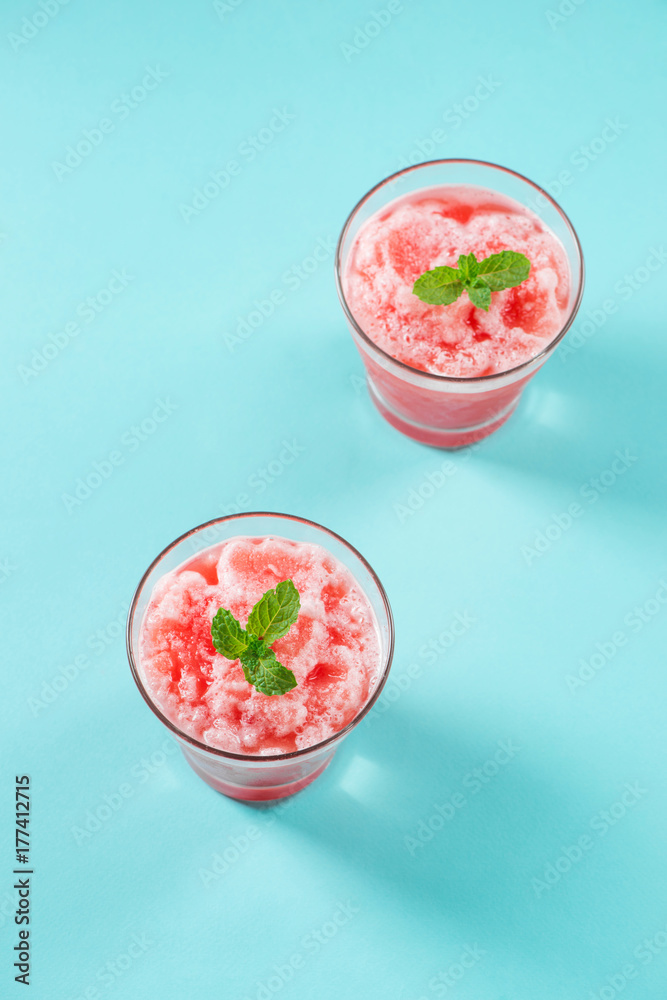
(245, 776)
(440, 410)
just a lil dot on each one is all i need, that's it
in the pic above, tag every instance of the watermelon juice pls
(450, 375)
(245, 743)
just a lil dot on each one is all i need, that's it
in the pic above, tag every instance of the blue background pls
(495, 878)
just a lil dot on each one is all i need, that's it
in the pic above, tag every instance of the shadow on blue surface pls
(447, 845)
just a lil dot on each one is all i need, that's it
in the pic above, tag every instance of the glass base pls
(440, 437)
(254, 793)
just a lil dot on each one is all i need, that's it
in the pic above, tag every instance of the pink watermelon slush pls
(429, 229)
(450, 375)
(333, 648)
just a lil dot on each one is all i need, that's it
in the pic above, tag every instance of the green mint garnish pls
(274, 615)
(270, 619)
(443, 285)
(262, 668)
(228, 637)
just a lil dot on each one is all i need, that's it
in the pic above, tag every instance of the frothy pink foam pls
(333, 648)
(434, 227)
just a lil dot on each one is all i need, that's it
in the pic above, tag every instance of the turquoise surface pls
(495, 830)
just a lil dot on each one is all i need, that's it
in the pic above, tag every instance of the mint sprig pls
(270, 619)
(443, 285)
(228, 637)
(262, 668)
(274, 615)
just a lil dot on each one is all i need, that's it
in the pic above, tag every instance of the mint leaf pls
(468, 267)
(439, 287)
(443, 285)
(261, 668)
(275, 613)
(270, 619)
(228, 637)
(504, 270)
(479, 294)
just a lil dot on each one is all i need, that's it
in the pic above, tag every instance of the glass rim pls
(257, 758)
(434, 376)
